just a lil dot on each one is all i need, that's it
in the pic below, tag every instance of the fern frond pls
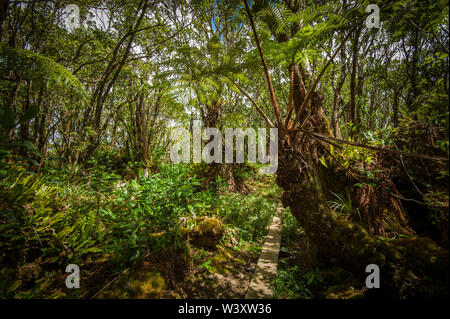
(34, 66)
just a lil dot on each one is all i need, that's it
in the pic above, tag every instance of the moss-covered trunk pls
(411, 266)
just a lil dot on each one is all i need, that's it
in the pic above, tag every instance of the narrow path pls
(262, 284)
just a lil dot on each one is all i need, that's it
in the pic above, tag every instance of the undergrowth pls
(106, 222)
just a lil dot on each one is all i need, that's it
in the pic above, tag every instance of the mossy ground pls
(217, 261)
(223, 273)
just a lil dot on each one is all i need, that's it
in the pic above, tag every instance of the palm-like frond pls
(34, 66)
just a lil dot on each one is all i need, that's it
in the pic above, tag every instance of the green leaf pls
(30, 113)
(92, 250)
(27, 144)
(323, 161)
(14, 286)
(7, 117)
(34, 66)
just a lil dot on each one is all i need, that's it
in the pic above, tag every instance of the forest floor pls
(222, 270)
(226, 269)
(223, 273)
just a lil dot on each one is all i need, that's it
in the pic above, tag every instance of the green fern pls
(342, 205)
(34, 66)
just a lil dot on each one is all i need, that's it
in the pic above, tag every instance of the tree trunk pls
(410, 267)
(337, 101)
(403, 262)
(353, 82)
(395, 107)
(3, 12)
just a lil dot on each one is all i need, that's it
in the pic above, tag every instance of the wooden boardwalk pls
(262, 284)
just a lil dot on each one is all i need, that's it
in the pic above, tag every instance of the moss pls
(411, 267)
(335, 276)
(29, 272)
(220, 263)
(208, 232)
(428, 265)
(344, 292)
(112, 294)
(147, 285)
(327, 126)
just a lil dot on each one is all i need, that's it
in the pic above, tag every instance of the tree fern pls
(34, 66)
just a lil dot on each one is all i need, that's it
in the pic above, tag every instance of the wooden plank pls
(262, 284)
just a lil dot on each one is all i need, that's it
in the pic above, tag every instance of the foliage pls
(250, 214)
(65, 223)
(33, 66)
(86, 117)
(293, 283)
(290, 227)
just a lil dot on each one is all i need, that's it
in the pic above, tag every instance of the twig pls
(409, 176)
(253, 102)
(375, 148)
(322, 72)
(109, 283)
(443, 47)
(37, 236)
(407, 199)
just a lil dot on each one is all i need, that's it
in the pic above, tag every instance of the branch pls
(443, 47)
(311, 90)
(407, 199)
(253, 102)
(291, 96)
(329, 139)
(266, 70)
(150, 53)
(322, 72)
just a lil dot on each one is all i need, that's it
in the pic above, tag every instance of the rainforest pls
(331, 180)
